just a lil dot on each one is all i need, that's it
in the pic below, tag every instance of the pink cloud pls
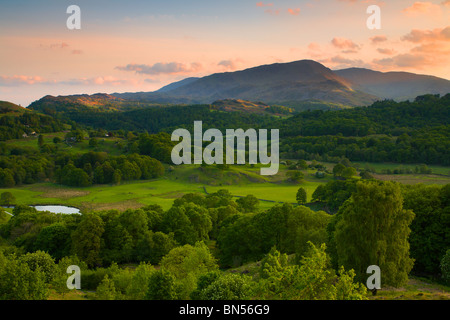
(262, 4)
(346, 44)
(378, 39)
(420, 8)
(162, 68)
(386, 51)
(17, 80)
(418, 36)
(294, 12)
(231, 64)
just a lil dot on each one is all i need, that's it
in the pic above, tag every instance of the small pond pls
(54, 209)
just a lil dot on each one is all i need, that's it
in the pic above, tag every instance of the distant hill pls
(297, 84)
(75, 103)
(398, 86)
(8, 107)
(300, 85)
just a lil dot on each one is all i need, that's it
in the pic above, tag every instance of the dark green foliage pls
(204, 281)
(7, 199)
(430, 229)
(248, 203)
(228, 287)
(445, 267)
(54, 239)
(161, 286)
(374, 230)
(334, 193)
(301, 196)
(18, 281)
(86, 239)
(41, 261)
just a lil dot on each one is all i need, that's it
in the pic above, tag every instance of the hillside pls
(237, 105)
(398, 86)
(8, 107)
(99, 102)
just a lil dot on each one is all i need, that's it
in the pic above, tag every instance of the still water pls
(55, 209)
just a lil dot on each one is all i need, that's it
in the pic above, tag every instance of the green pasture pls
(240, 181)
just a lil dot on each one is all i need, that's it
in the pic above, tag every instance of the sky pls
(142, 45)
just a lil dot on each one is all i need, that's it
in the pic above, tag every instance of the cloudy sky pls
(142, 45)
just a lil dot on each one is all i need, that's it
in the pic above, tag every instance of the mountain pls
(299, 84)
(178, 84)
(398, 86)
(303, 84)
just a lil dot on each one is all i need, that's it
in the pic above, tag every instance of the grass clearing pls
(416, 289)
(179, 180)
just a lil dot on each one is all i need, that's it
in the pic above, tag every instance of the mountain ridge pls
(301, 85)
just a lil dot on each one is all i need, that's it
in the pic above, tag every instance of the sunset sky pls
(142, 45)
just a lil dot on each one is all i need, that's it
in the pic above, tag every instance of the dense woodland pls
(387, 131)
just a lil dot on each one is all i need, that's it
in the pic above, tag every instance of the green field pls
(179, 180)
(240, 181)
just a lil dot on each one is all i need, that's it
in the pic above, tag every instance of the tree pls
(7, 199)
(248, 203)
(106, 290)
(187, 263)
(373, 230)
(338, 170)
(366, 175)
(203, 282)
(41, 141)
(93, 143)
(161, 286)
(54, 239)
(59, 282)
(7, 178)
(430, 227)
(302, 164)
(86, 239)
(445, 267)
(189, 223)
(273, 264)
(19, 282)
(304, 226)
(139, 282)
(42, 261)
(348, 172)
(295, 176)
(301, 196)
(228, 287)
(312, 279)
